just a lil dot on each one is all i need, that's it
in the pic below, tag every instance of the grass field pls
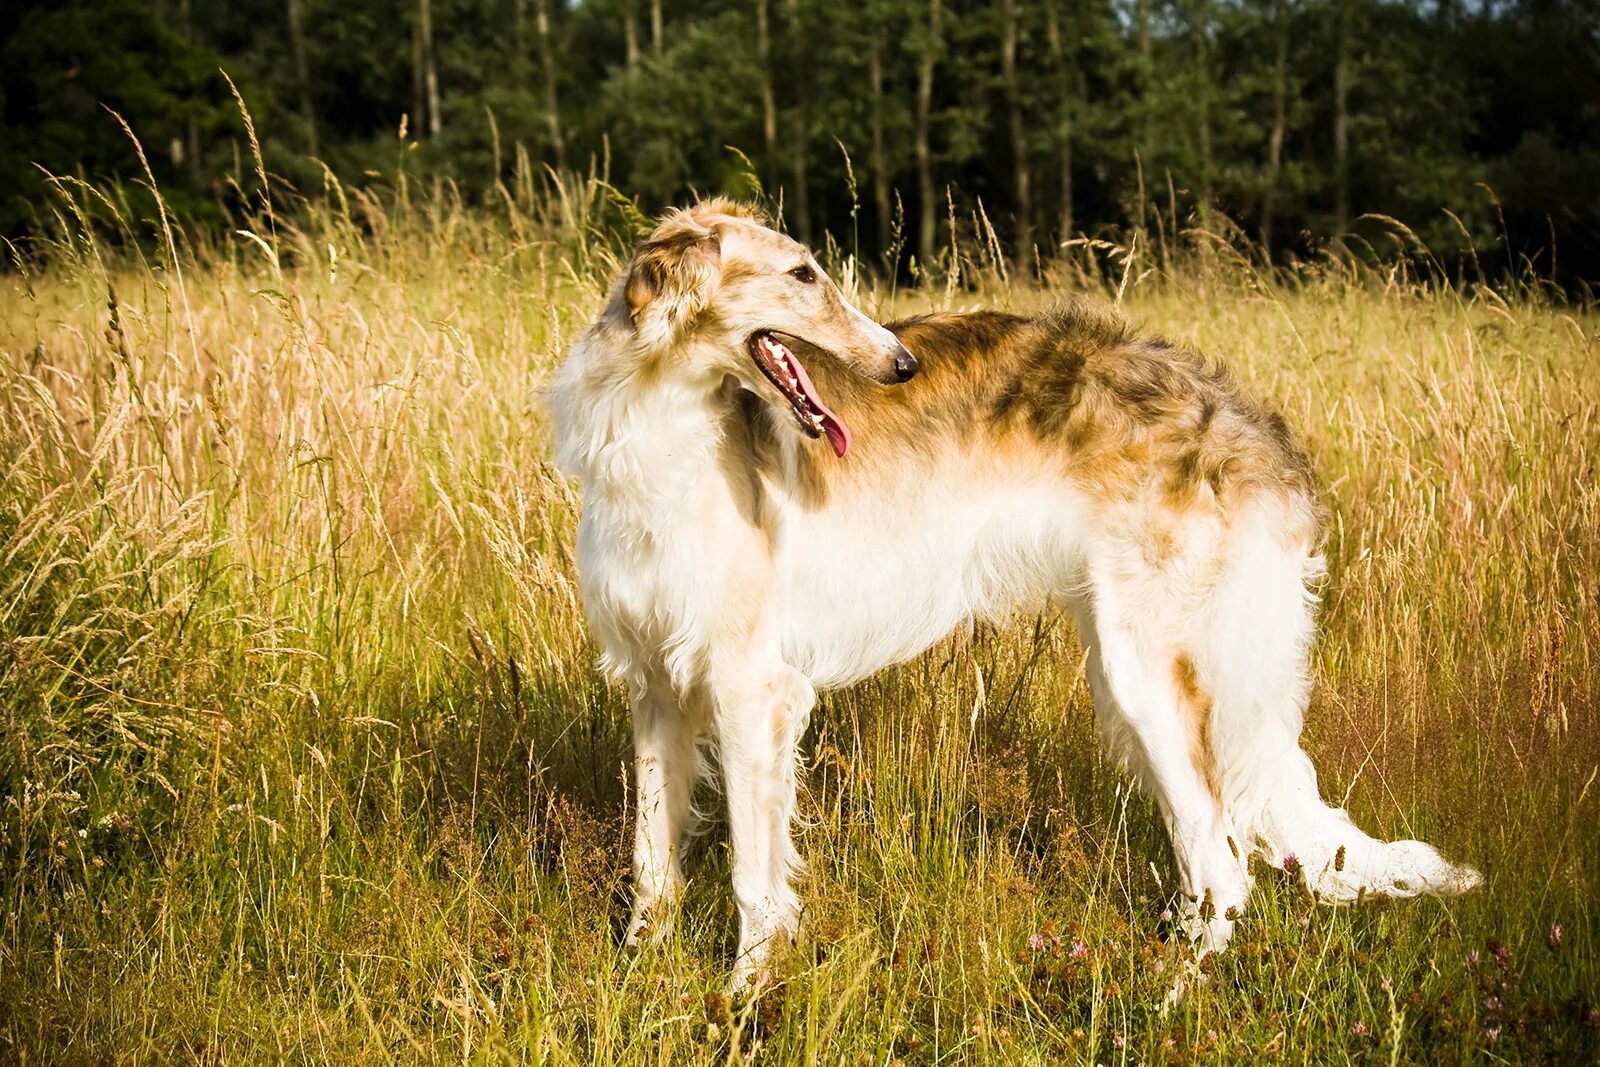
(304, 757)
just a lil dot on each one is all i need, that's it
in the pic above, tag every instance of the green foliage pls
(1485, 111)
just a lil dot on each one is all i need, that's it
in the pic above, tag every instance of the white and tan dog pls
(780, 494)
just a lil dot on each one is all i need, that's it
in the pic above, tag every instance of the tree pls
(547, 69)
(1022, 191)
(927, 202)
(1299, 120)
(302, 71)
(1280, 120)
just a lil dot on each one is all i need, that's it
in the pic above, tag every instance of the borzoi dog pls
(781, 495)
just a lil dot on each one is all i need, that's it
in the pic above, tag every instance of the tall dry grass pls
(303, 756)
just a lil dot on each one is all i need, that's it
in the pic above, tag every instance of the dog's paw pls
(650, 924)
(1391, 869)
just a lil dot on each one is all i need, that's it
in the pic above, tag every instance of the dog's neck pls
(639, 437)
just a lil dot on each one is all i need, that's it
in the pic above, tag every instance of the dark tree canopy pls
(1476, 125)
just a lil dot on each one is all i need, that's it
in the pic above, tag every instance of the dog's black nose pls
(905, 365)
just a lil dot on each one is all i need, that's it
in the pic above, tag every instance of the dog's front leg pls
(666, 765)
(761, 712)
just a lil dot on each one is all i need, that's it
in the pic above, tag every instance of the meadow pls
(303, 756)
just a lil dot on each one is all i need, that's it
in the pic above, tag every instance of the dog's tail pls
(1256, 665)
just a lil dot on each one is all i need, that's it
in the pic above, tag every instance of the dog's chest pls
(640, 576)
(662, 566)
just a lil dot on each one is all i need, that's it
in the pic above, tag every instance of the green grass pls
(304, 757)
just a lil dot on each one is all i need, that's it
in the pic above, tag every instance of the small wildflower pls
(1118, 1041)
(1553, 938)
(1166, 915)
(1501, 952)
(1359, 1029)
(1305, 921)
(1036, 942)
(1492, 1003)
(1386, 985)
(1291, 864)
(1079, 950)
(1160, 965)
(1492, 1034)
(1472, 959)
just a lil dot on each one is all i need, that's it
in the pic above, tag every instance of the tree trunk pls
(630, 33)
(302, 70)
(1280, 118)
(769, 103)
(1201, 31)
(927, 205)
(192, 125)
(547, 64)
(797, 137)
(1019, 144)
(1146, 76)
(1341, 121)
(430, 69)
(880, 166)
(1058, 55)
(419, 98)
(655, 26)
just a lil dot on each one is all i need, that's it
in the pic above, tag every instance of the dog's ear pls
(671, 278)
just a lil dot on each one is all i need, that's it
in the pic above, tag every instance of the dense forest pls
(1289, 123)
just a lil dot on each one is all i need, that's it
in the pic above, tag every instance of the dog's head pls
(716, 293)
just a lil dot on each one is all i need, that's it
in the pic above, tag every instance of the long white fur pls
(888, 566)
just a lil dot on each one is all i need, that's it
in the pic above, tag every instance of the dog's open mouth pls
(777, 361)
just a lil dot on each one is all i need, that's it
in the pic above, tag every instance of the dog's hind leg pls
(760, 715)
(666, 765)
(1145, 714)
(1252, 645)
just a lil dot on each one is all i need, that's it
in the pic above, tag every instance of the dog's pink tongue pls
(838, 433)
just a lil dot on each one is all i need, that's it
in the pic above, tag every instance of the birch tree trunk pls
(769, 104)
(1058, 56)
(797, 147)
(430, 69)
(1341, 121)
(880, 166)
(1280, 119)
(1019, 146)
(1146, 76)
(630, 34)
(302, 70)
(552, 109)
(927, 205)
(1201, 30)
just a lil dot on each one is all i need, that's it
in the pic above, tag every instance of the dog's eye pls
(803, 273)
